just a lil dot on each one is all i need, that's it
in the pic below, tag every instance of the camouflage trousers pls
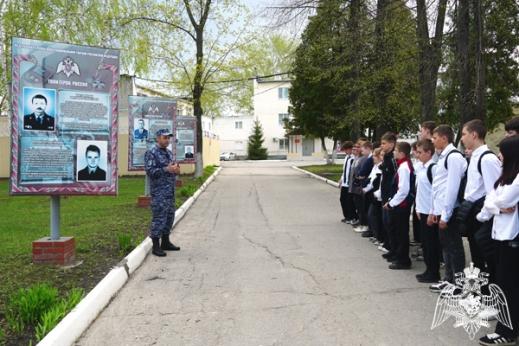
(163, 215)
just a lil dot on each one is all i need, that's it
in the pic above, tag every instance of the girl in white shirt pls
(501, 204)
(375, 208)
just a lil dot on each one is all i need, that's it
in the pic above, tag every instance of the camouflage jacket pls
(162, 183)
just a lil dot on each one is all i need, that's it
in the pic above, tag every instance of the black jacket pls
(388, 168)
(30, 123)
(98, 175)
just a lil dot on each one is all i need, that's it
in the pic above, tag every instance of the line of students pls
(454, 196)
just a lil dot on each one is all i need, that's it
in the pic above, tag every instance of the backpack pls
(429, 172)
(412, 186)
(463, 182)
(480, 158)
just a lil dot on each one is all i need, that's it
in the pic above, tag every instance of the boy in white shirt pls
(399, 206)
(483, 171)
(346, 199)
(429, 234)
(448, 175)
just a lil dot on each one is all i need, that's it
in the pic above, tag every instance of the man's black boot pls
(156, 250)
(167, 245)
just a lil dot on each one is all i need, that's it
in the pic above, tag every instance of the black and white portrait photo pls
(91, 160)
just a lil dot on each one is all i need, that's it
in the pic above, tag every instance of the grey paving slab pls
(266, 261)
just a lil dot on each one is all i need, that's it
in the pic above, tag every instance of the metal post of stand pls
(147, 186)
(54, 217)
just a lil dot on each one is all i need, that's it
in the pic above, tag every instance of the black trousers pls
(399, 234)
(348, 208)
(484, 260)
(476, 254)
(431, 246)
(452, 246)
(507, 277)
(375, 220)
(417, 233)
(362, 205)
(387, 227)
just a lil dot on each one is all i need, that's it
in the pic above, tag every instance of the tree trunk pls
(429, 56)
(480, 107)
(324, 150)
(197, 102)
(354, 27)
(462, 54)
(380, 92)
(198, 86)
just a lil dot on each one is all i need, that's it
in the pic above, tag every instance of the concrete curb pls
(318, 177)
(79, 319)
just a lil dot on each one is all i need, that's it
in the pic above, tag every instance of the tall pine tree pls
(255, 149)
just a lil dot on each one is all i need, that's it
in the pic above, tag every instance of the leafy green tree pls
(393, 79)
(315, 106)
(484, 83)
(78, 22)
(255, 149)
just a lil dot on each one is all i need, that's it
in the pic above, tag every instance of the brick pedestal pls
(61, 251)
(178, 183)
(143, 201)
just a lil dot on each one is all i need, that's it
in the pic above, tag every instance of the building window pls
(238, 124)
(283, 144)
(282, 117)
(283, 93)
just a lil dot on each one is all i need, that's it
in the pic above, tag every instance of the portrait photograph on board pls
(91, 160)
(188, 152)
(39, 109)
(141, 130)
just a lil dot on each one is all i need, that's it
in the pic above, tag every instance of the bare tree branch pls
(127, 21)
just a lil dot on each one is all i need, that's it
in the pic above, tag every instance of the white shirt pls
(372, 176)
(424, 188)
(404, 180)
(479, 185)
(505, 226)
(346, 167)
(446, 183)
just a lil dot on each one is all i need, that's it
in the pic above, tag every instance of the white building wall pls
(233, 138)
(267, 107)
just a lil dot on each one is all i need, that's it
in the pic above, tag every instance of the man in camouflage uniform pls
(162, 171)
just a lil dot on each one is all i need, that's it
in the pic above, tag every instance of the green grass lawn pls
(96, 222)
(332, 172)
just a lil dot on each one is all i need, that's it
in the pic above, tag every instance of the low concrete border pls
(318, 177)
(79, 319)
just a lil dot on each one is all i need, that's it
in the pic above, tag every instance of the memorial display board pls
(64, 119)
(146, 116)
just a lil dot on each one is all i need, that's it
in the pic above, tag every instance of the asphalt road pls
(265, 260)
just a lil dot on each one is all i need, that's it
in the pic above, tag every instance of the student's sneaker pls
(360, 229)
(438, 287)
(354, 222)
(344, 221)
(496, 339)
(382, 248)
